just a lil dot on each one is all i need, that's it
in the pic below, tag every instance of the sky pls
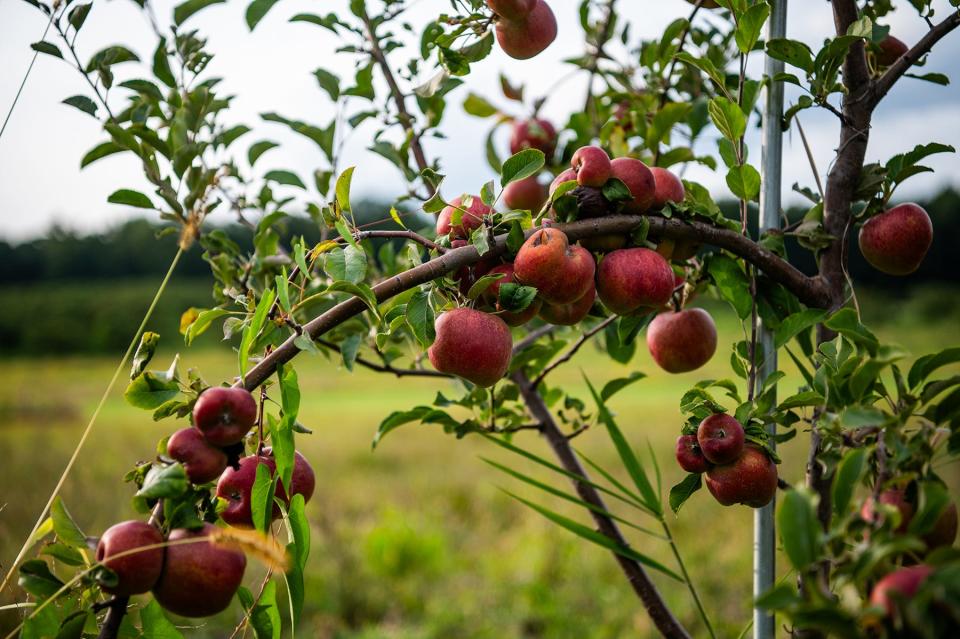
(271, 68)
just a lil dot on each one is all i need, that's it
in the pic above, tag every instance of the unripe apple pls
(492, 295)
(638, 178)
(512, 9)
(667, 188)
(683, 341)
(236, 487)
(471, 344)
(689, 455)
(561, 273)
(900, 584)
(527, 36)
(526, 194)
(750, 480)
(896, 241)
(633, 279)
(721, 438)
(572, 313)
(592, 165)
(200, 460)
(471, 216)
(224, 415)
(199, 579)
(137, 572)
(567, 175)
(891, 50)
(535, 133)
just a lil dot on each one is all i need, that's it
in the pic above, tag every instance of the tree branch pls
(810, 290)
(407, 235)
(896, 70)
(385, 368)
(645, 589)
(111, 625)
(573, 349)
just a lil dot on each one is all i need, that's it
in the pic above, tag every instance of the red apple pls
(896, 241)
(236, 487)
(893, 497)
(592, 165)
(561, 273)
(667, 188)
(567, 175)
(198, 579)
(225, 415)
(891, 50)
(638, 178)
(137, 572)
(473, 345)
(526, 194)
(900, 584)
(682, 341)
(750, 480)
(200, 460)
(535, 133)
(492, 296)
(689, 455)
(572, 313)
(527, 36)
(633, 279)
(512, 9)
(472, 209)
(721, 438)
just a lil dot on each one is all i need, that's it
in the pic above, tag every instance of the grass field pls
(416, 540)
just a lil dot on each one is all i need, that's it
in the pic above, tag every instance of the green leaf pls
(161, 65)
(83, 103)
(792, 52)
(150, 390)
(796, 323)
(478, 106)
(598, 538)
(190, 7)
(420, 317)
(859, 416)
(155, 623)
(251, 332)
(164, 482)
(728, 117)
(36, 578)
(731, 282)
(925, 365)
(744, 182)
(343, 189)
(425, 414)
(803, 398)
(846, 322)
(329, 83)
(361, 291)
(750, 25)
(47, 47)
(778, 597)
(522, 165)
(203, 321)
(289, 178)
(933, 500)
(616, 385)
(78, 15)
(681, 492)
(281, 434)
(100, 151)
(110, 56)
(799, 529)
(257, 10)
(261, 498)
(630, 461)
(144, 353)
(264, 613)
(845, 480)
(300, 528)
(65, 527)
(130, 198)
(64, 554)
(515, 298)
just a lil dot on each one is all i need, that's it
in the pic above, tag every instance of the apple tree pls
(588, 234)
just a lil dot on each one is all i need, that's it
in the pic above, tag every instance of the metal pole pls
(764, 532)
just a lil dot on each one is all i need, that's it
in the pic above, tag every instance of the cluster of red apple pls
(524, 27)
(477, 345)
(199, 579)
(903, 583)
(736, 472)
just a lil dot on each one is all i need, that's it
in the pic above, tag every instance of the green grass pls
(416, 539)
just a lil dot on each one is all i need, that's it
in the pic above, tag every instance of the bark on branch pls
(639, 580)
(907, 60)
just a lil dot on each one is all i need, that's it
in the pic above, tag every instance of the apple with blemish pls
(682, 341)
(561, 272)
(471, 344)
(632, 279)
(225, 415)
(470, 209)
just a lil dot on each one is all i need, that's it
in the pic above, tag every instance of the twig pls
(111, 625)
(896, 70)
(602, 37)
(566, 357)
(386, 367)
(813, 163)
